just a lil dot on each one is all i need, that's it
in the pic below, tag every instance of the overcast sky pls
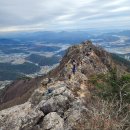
(18, 15)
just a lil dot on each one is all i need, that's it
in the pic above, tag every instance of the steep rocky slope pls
(66, 102)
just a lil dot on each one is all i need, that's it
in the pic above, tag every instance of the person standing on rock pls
(74, 66)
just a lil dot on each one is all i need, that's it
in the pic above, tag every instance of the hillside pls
(10, 71)
(43, 60)
(120, 60)
(66, 100)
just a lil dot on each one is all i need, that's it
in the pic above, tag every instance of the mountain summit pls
(65, 98)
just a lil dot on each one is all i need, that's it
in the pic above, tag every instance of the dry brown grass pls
(104, 115)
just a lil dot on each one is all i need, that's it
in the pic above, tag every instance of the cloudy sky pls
(19, 15)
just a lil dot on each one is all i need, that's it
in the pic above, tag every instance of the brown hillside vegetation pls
(18, 92)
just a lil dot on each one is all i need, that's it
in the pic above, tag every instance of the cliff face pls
(65, 101)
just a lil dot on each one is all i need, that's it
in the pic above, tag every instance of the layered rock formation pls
(65, 102)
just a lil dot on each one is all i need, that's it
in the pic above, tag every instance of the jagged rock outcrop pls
(58, 104)
(62, 103)
(88, 64)
(52, 121)
(20, 117)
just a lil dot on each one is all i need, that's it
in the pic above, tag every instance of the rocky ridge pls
(66, 102)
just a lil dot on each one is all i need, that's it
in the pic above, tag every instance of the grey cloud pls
(62, 14)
